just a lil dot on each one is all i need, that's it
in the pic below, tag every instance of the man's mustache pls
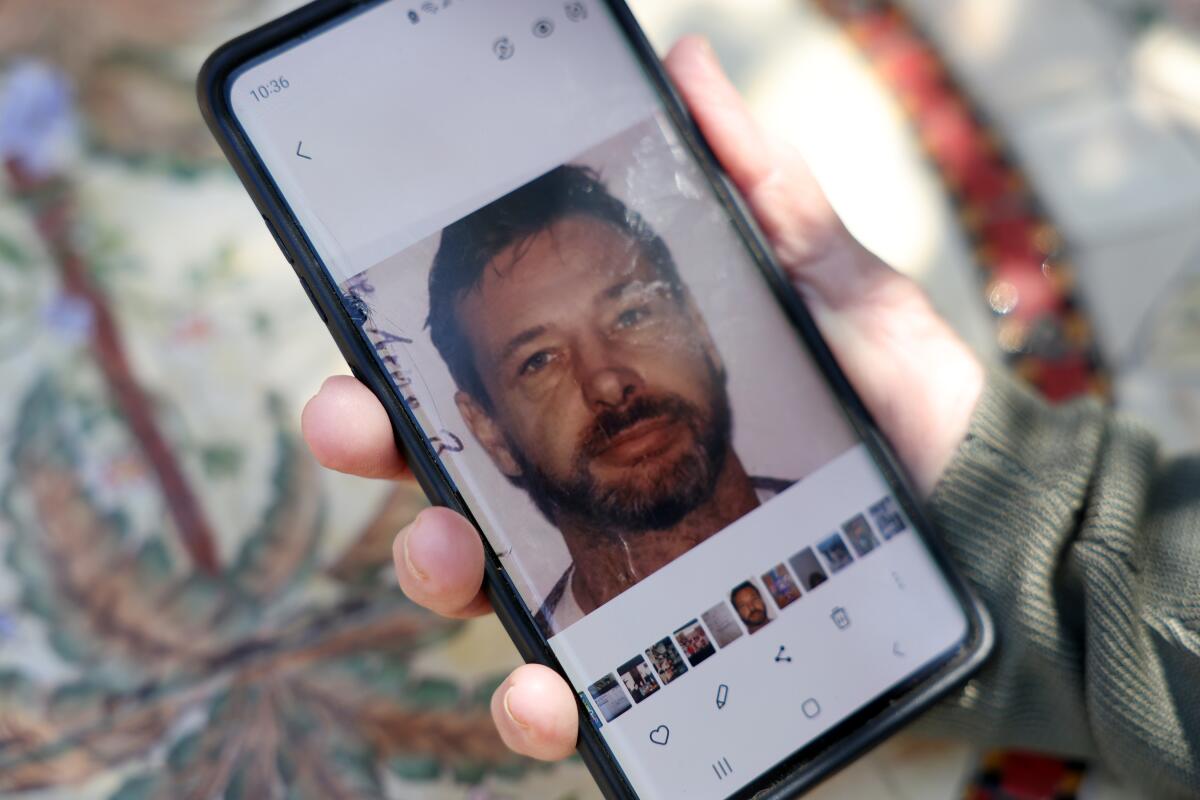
(610, 423)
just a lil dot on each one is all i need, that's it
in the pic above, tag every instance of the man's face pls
(749, 605)
(607, 395)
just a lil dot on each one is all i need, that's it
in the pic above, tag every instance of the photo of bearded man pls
(587, 373)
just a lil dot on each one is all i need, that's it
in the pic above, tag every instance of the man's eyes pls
(535, 362)
(627, 319)
(632, 316)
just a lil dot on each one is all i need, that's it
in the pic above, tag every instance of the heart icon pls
(660, 735)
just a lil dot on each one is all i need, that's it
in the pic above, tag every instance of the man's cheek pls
(681, 339)
(682, 372)
(553, 441)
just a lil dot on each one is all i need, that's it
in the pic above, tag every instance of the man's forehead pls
(577, 265)
(576, 248)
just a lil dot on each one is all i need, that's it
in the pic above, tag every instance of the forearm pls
(1086, 550)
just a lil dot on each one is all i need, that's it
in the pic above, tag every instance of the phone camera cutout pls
(576, 11)
(543, 28)
(503, 48)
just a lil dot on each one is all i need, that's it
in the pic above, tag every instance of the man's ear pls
(488, 433)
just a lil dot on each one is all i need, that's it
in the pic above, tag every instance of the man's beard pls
(631, 505)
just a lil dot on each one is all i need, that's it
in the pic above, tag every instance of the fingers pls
(535, 712)
(439, 564)
(438, 556)
(806, 235)
(348, 430)
(786, 200)
(915, 375)
(720, 112)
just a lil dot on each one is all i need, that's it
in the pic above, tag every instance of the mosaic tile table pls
(189, 607)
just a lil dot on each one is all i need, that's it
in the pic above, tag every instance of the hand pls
(916, 377)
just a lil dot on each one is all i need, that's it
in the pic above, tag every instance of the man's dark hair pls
(743, 585)
(470, 244)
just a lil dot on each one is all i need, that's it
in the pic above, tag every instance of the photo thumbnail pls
(887, 517)
(638, 678)
(861, 537)
(666, 660)
(751, 607)
(591, 710)
(611, 700)
(807, 569)
(722, 623)
(782, 587)
(835, 552)
(694, 642)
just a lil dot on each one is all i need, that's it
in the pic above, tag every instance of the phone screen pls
(565, 305)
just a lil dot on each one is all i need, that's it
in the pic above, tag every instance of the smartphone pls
(522, 245)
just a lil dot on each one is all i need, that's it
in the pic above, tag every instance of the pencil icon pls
(722, 695)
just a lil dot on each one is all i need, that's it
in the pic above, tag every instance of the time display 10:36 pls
(265, 90)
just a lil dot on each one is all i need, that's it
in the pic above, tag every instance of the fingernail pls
(407, 533)
(508, 710)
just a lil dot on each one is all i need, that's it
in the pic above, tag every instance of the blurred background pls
(191, 608)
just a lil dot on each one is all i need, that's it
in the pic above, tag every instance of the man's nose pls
(605, 378)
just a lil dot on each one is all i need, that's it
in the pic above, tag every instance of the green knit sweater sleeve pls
(1085, 546)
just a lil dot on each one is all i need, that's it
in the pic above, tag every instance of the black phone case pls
(805, 767)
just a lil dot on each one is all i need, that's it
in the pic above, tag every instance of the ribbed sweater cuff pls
(1005, 510)
(1014, 422)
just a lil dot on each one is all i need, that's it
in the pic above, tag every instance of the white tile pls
(1058, 83)
(1100, 785)
(1022, 54)
(1108, 169)
(1166, 65)
(905, 767)
(1122, 281)
(919, 768)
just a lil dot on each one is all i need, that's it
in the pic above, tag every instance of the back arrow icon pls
(300, 144)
